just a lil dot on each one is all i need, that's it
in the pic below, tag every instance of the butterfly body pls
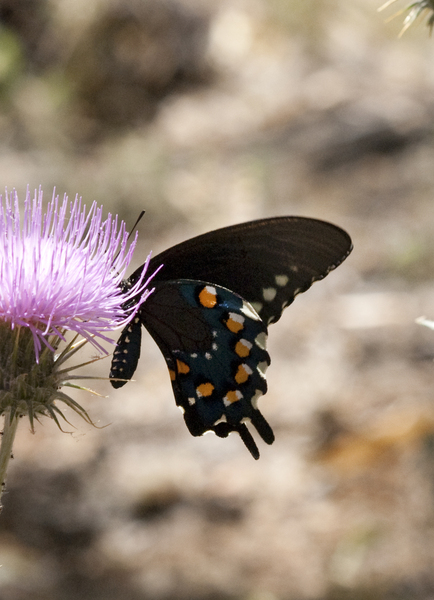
(213, 300)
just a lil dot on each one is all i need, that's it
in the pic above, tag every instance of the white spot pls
(211, 290)
(257, 306)
(221, 420)
(255, 398)
(269, 294)
(297, 291)
(250, 312)
(281, 280)
(261, 340)
(294, 268)
(270, 320)
(193, 355)
(192, 401)
(208, 356)
(215, 347)
(262, 367)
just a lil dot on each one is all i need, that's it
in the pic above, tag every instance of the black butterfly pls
(213, 300)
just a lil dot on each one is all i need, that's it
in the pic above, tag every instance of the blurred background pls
(205, 114)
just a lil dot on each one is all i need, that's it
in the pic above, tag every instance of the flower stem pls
(7, 440)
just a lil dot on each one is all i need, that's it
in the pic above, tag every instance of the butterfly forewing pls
(267, 262)
(205, 289)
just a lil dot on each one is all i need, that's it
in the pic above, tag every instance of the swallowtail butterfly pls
(214, 298)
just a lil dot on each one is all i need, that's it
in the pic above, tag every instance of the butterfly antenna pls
(139, 218)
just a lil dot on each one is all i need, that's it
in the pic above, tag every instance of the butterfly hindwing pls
(216, 355)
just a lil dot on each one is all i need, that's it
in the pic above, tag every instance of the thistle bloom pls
(59, 270)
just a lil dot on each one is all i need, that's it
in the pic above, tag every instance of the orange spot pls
(242, 349)
(242, 374)
(235, 323)
(172, 375)
(232, 396)
(182, 367)
(208, 297)
(205, 389)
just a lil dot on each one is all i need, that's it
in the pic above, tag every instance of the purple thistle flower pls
(59, 270)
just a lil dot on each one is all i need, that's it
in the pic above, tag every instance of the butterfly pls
(212, 302)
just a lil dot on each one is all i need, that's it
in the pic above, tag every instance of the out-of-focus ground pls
(205, 114)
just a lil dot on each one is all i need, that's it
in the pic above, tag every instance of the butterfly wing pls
(126, 354)
(267, 262)
(214, 346)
